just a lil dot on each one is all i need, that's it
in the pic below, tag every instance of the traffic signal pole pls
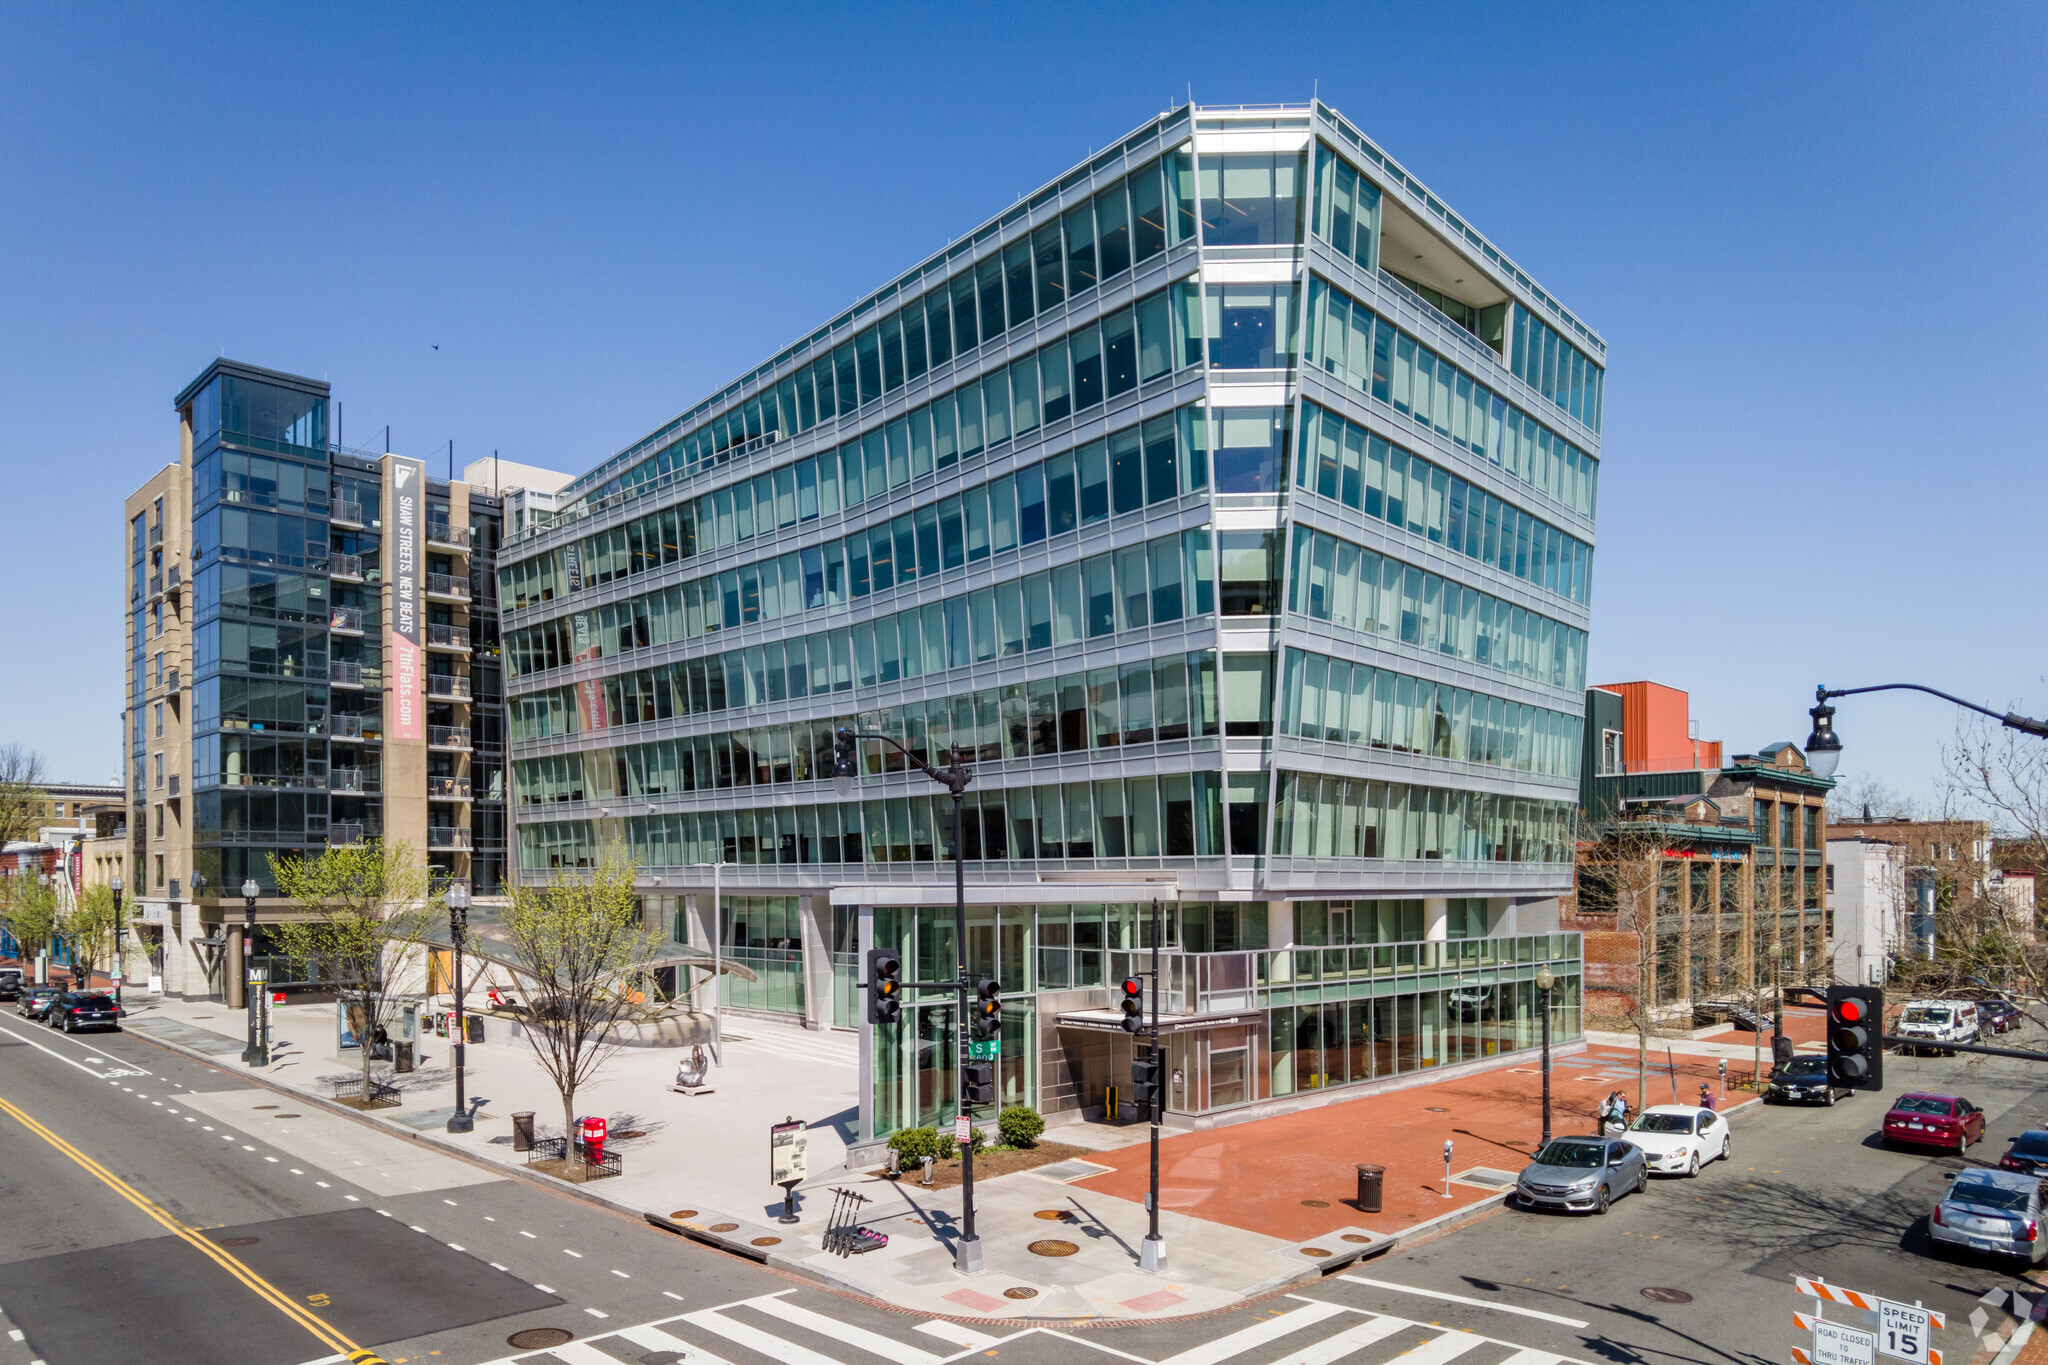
(1152, 1251)
(967, 1251)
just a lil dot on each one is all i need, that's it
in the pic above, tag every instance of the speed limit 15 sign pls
(1902, 1331)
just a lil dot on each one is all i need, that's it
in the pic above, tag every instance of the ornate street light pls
(1824, 746)
(461, 1121)
(120, 968)
(1545, 979)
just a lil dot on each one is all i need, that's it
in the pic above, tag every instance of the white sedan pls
(1679, 1138)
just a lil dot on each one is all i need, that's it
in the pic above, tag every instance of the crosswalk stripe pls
(953, 1332)
(582, 1353)
(1342, 1344)
(902, 1353)
(1258, 1334)
(1437, 1350)
(754, 1339)
(1494, 1304)
(1529, 1355)
(654, 1339)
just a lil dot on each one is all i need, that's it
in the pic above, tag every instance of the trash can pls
(522, 1131)
(402, 1059)
(1370, 1181)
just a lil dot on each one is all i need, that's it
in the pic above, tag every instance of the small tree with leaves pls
(581, 946)
(363, 909)
(28, 909)
(86, 924)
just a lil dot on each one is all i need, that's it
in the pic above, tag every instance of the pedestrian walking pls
(1706, 1096)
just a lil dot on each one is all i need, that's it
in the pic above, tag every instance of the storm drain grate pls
(1020, 1292)
(1052, 1247)
(1488, 1177)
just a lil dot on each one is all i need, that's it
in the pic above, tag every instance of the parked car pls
(1583, 1173)
(1678, 1139)
(2028, 1154)
(2000, 1016)
(1993, 1211)
(1804, 1080)
(1930, 1023)
(1947, 1121)
(35, 1000)
(75, 1011)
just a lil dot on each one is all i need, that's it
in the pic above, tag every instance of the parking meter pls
(1447, 1168)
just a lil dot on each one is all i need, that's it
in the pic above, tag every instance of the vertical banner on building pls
(590, 691)
(408, 483)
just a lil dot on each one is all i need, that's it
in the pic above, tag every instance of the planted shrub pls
(1020, 1125)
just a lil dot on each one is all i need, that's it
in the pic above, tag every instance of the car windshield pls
(1921, 1104)
(1804, 1068)
(1984, 1194)
(1921, 1014)
(2032, 1145)
(1663, 1123)
(1583, 1155)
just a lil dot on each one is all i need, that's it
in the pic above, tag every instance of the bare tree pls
(86, 923)
(365, 907)
(22, 798)
(583, 951)
(1620, 873)
(1860, 796)
(2002, 774)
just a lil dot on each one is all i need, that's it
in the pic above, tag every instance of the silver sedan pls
(1582, 1174)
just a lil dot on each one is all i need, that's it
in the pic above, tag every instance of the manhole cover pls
(1314, 1251)
(1436, 1109)
(725, 1227)
(1020, 1292)
(1052, 1248)
(1658, 1294)
(1053, 1215)
(1355, 1237)
(238, 1241)
(539, 1338)
(767, 1242)
(1315, 1203)
(684, 1213)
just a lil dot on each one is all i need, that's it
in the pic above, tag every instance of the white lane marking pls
(451, 1203)
(353, 1200)
(1460, 1298)
(14, 1334)
(580, 1353)
(382, 1214)
(872, 1342)
(1258, 1334)
(595, 1313)
(672, 1294)
(489, 1219)
(190, 1119)
(247, 1148)
(1342, 1344)
(296, 1171)
(453, 1247)
(622, 1274)
(326, 1360)
(577, 1254)
(323, 1184)
(756, 1340)
(524, 1233)
(54, 1053)
(1529, 1355)
(160, 1104)
(415, 1227)
(956, 1334)
(268, 1158)
(496, 1266)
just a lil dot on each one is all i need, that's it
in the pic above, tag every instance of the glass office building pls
(1228, 503)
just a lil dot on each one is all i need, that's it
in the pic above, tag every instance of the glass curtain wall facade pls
(1212, 504)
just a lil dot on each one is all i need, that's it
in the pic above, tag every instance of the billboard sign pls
(408, 637)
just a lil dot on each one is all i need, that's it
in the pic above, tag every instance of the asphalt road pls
(162, 1209)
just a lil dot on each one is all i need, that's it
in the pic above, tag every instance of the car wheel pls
(1601, 1201)
(1830, 1100)
(1643, 1180)
(1693, 1169)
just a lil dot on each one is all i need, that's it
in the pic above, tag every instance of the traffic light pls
(1145, 1081)
(985, 1011)
(845, 770)
(978, 1084)
(885, 986)
(1855, 1036)
(1132, 1004)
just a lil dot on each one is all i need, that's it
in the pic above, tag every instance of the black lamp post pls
(458, 925)
(1824, 746)
(257, 1053)
(1545, 979)
(1778, 1044)
(120, 966)
(955, 779)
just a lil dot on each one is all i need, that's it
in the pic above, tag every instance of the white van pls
(1939, 1021)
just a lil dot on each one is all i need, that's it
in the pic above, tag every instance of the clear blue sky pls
(1812, 238)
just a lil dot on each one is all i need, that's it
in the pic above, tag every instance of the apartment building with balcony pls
(313, 659)
(1228, 504)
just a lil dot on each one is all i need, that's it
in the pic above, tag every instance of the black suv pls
(76, 1010)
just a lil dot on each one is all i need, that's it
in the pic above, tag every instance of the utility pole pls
(1152, 1251)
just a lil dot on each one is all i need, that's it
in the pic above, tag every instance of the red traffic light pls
(1849, 1011)
(1133, 987)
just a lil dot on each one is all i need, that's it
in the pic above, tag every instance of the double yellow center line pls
(263, 1289)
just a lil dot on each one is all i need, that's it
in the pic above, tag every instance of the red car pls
(1946, 1121)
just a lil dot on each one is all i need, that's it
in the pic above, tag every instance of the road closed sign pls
(1836, 1343)
(1902, 1331)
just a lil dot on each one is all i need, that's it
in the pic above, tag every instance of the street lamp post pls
(458, 926)
(257, 1053)
(120, 968)
(1777, 950)
(955, 779)
(1545, 979)
(1824, 746)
